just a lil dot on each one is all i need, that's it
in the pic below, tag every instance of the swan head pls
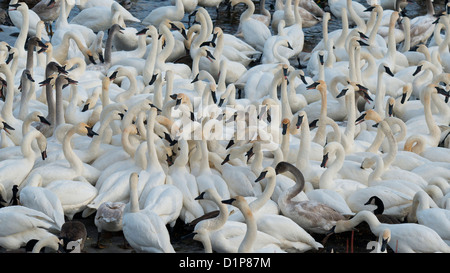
(115, 28)
(266, 173)
(38, 117)
(42, 145)
(384, 67)
(5, 126)
(370, 114)
(285, 125)
(300, 117)
(385, 238)
(318, 85)
(368, 162)
(239, 202)
(406, 91)
(134, 179)
(84, 130)
(48, 48)
(391, 104)
(21, 6)
(321, 57)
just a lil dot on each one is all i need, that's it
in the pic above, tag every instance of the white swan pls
(180, 176)
(437, 219)
(255, 32)
(250, 237)
(41, 199)
(158, 15)
(22, 224)
(73, 166)
(223, 235)
(15, 171)
(405, 238)
(144, 231)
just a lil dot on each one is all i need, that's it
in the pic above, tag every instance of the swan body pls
(405, 238)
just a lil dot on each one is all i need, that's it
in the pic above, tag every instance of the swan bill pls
(261, 176)
(7, 127)
(44, 120)
(200, 197)
(229, 201)
(324, 161)
(418, 69)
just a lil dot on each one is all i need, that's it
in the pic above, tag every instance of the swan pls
(48, 11)
(52, 242)
(15, 151)
(262, 204)
(22, 224)
(250, 237)
(437, 219)
(223, 235)
(19, 20)
(99, 18)
(353, 179)
(405, 238)
(74, 194)
(109, 218)
(355, 9)
(41, 199)
(144, 230)
(384, 218)
(181, 70)
(7, 107)
(166, 201)
(72, 166)
(233, 69)
(422, 26)
(62, 25)
(254, 32)
(180, 176)
(154, 174)
(295, 31)
(158, 15)
(310, 215)
(271, 52)
(206, 178)
(433, 137)
(9, 169)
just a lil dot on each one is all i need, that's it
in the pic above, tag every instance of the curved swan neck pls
(75, 162)
(363, 216)
(25, 146)
(249, 11)
(21, 39)
(265, 196)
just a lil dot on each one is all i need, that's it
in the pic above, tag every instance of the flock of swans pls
(258, 143)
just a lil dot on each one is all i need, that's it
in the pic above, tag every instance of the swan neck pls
(75, 162)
